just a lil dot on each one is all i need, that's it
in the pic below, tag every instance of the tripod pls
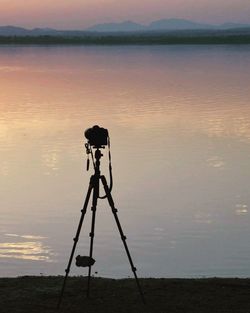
(94, 185)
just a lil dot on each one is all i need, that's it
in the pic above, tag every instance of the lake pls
(179, 124)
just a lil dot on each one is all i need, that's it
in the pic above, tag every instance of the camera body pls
(97, 136)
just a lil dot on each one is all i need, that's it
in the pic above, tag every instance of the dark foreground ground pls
(40, 295)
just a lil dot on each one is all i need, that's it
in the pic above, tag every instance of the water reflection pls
(179, 121)
(50, 159)
(26, 250)
(216, 162)
(241, 209)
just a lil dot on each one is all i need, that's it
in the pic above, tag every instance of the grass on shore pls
(40, 295)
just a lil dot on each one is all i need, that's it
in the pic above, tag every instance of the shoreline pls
(40, 294)
(125, 39)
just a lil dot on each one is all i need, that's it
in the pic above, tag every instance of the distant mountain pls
(163, 24)
(118, 27)
(13, 31)
(19, 31)
(233, 25)
(43, 31)
(177, 24)
(35, 32)
(167, 25)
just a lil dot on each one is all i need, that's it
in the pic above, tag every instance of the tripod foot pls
(123, 237)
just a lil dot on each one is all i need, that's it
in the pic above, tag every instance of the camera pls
(97, 136)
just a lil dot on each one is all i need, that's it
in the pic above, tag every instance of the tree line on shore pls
(133, 39)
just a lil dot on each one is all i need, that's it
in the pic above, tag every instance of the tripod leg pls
(92, 232)
(123, 237)
(84, 209)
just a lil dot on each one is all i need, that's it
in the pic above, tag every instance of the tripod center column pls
(98, 156)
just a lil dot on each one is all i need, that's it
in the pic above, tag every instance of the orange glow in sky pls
(79, 14)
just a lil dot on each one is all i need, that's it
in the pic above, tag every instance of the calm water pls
(179, 121)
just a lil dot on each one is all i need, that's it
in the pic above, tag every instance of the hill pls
(163, 24)
(166, 25)
(118, 27)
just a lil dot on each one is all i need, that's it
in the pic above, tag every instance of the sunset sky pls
(79, 14)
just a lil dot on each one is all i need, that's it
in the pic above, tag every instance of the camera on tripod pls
(97, 136)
